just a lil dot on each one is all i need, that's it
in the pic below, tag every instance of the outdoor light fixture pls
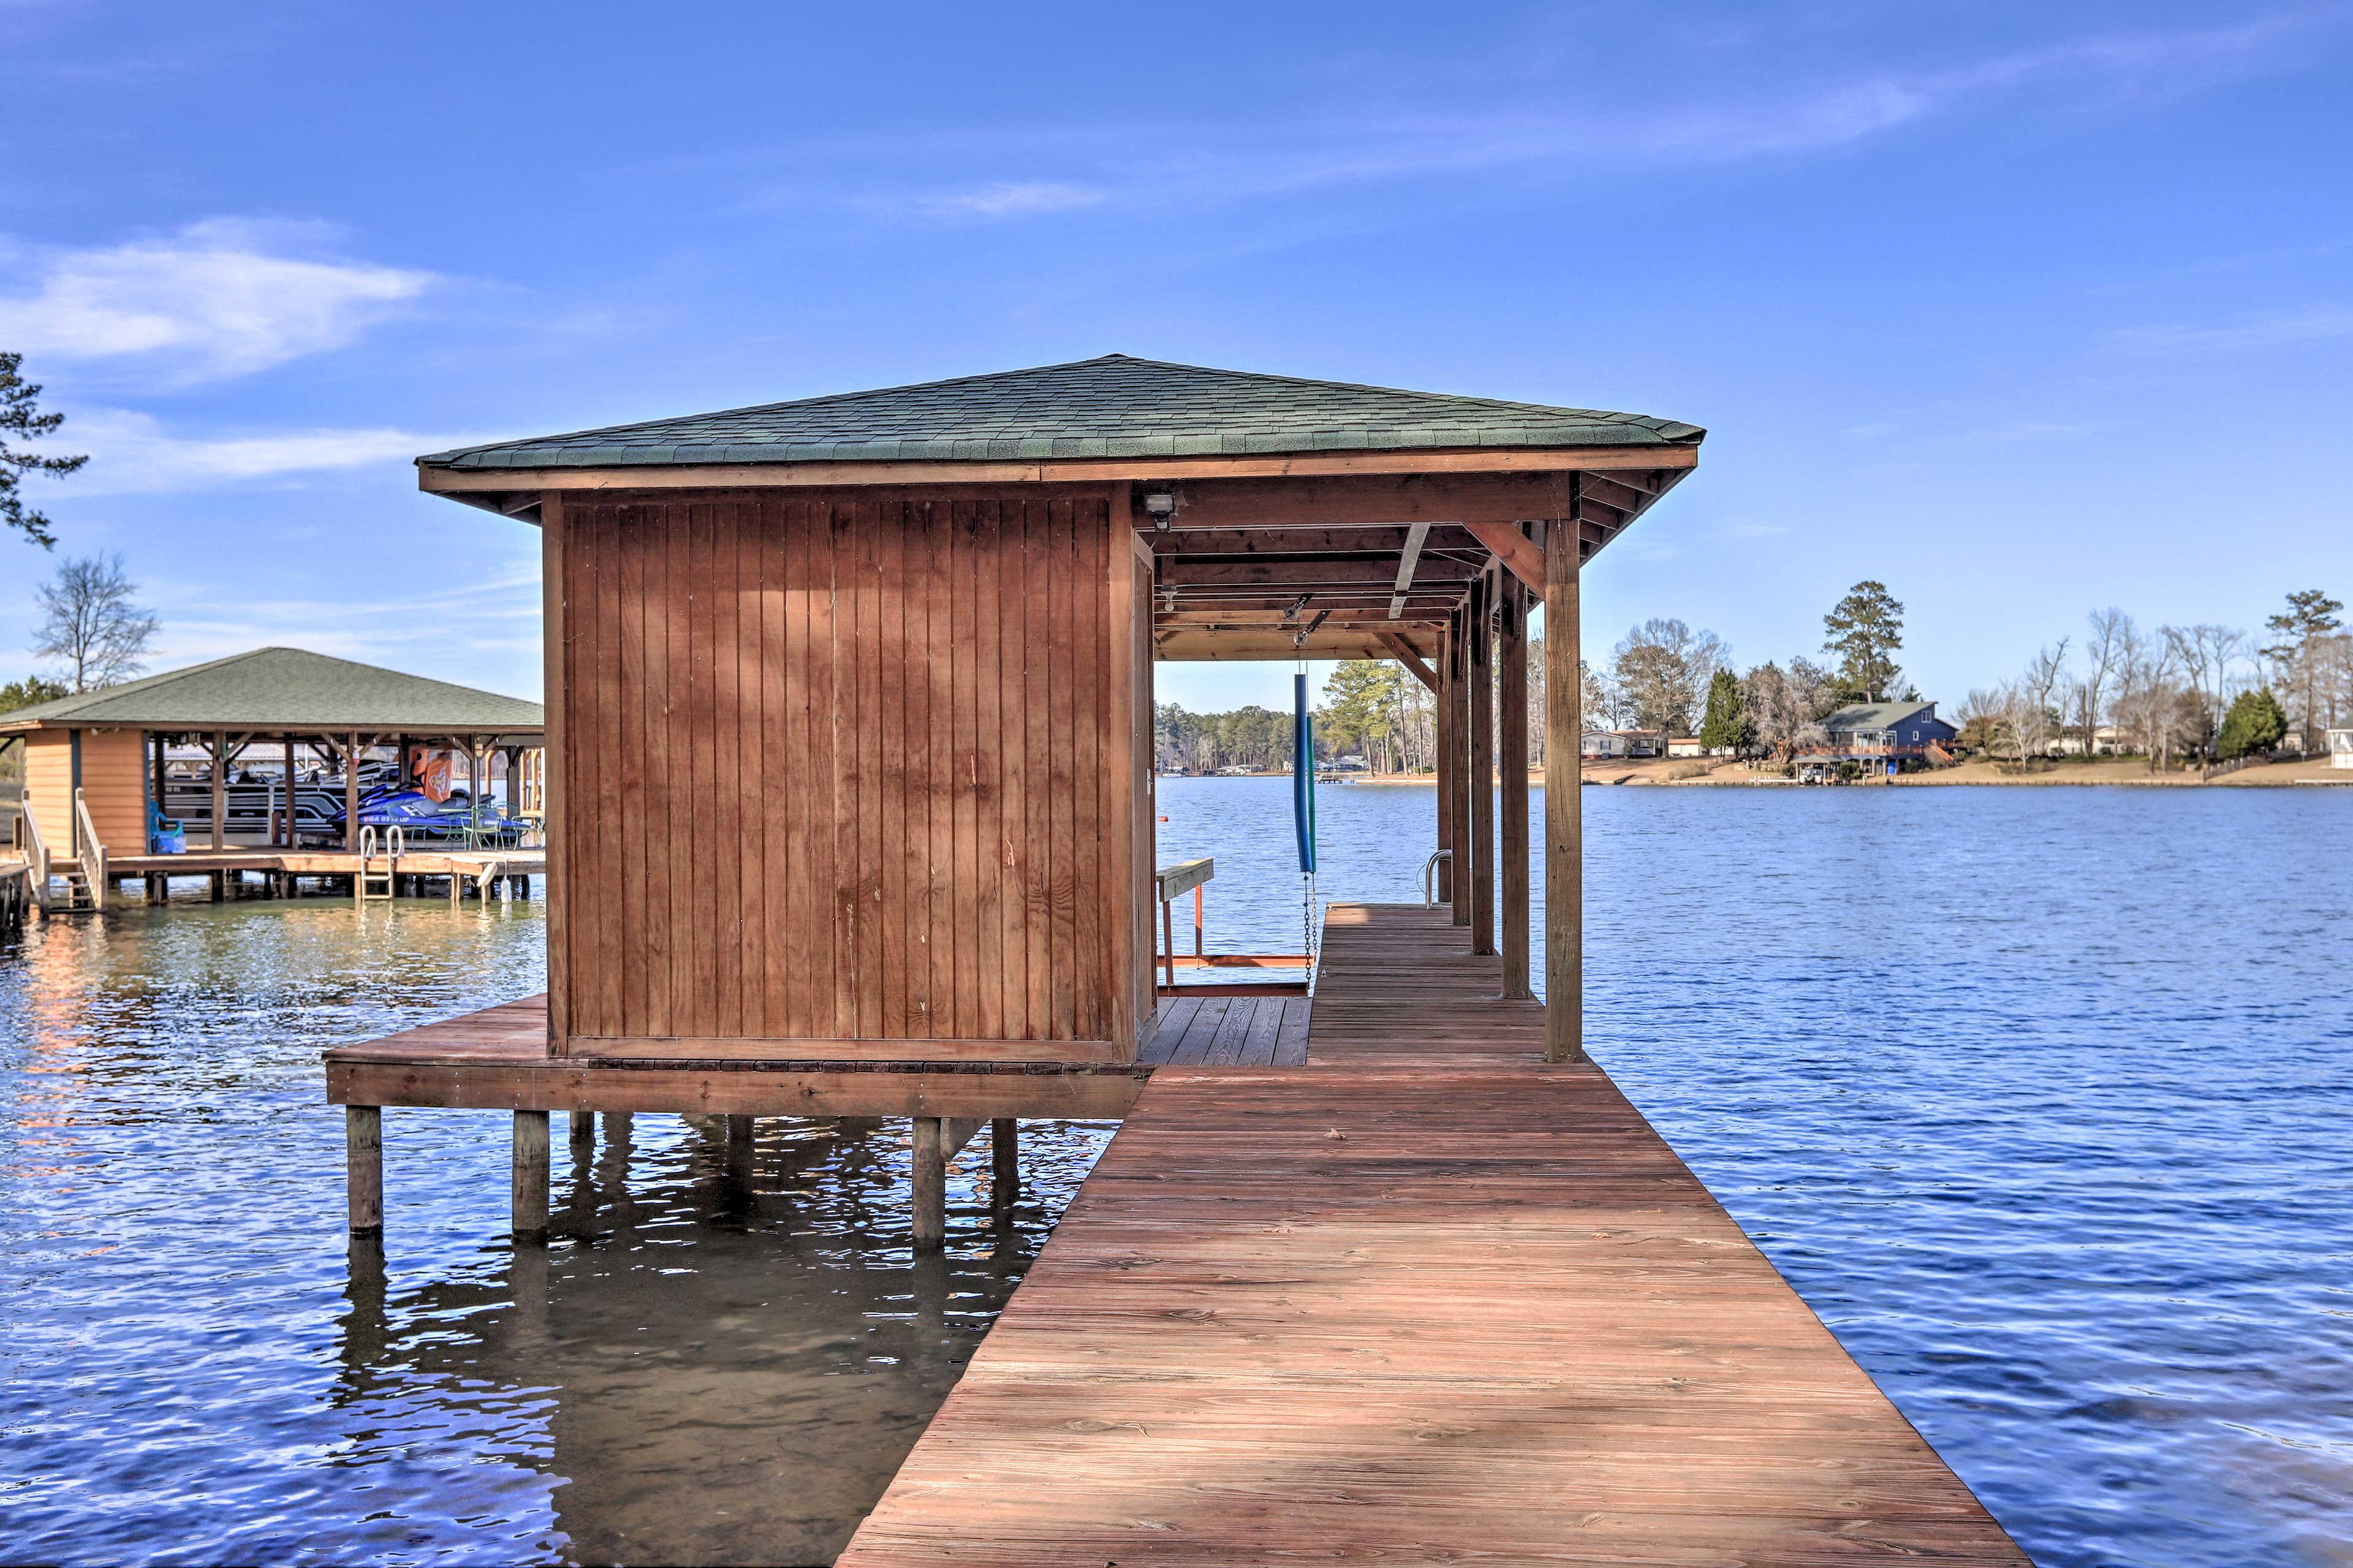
(1160, 506)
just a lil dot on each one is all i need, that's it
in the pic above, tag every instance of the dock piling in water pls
(364, 1167)
(530, 1223)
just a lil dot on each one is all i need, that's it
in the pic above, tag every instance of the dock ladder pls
(372, 883)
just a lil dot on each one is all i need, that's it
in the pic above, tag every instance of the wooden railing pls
(94, 852)
(36, 852)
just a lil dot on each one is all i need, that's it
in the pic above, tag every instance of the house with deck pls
(1880, 738)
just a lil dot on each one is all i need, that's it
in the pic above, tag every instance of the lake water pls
(2038, 1096)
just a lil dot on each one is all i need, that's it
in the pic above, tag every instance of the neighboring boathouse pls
(1387, 1272)
(222, 751)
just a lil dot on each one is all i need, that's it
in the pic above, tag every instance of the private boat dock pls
(1359, 1278)
(1388, 1269)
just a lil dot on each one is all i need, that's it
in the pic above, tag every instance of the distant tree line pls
(2205, 692)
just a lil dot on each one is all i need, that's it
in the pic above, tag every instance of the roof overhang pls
(1340, 555)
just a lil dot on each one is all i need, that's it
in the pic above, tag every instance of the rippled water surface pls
(2039, 1096)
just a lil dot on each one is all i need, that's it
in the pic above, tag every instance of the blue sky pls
(2020, 308)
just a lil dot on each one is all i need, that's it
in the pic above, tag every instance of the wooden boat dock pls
(1422, 1299)
(1392, 1272)
(1359, 1278)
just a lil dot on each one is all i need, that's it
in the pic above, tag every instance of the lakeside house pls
(1623, 746)
(1879, 737)
(2340, 748)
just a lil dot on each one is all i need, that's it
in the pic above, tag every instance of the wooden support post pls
(159, 784)
(220, 787)
(1005, 1164)
(1564, 825)
(1467, 868)
(1168, 941)
(219, 880)
(739, 1145)
(1511, 746)
(931, 1183)
(286, 795)
(1444, 725)
(364, 1167)
(584, 1126)
(1197, 923)
(352, 793)
(1481, 692)
(530, 1193)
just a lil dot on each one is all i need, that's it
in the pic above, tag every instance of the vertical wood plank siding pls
(847, 769)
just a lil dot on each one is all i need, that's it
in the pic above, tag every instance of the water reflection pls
(721, 1354)
(2028, 1092)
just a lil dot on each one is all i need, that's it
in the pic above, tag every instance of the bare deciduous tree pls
(88, 624)
(2102, 651)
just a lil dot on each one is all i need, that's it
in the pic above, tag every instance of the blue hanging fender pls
(1302, 775)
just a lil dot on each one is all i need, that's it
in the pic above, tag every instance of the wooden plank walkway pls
(1229, 1031)
(1386, 1308)
(1398, 987)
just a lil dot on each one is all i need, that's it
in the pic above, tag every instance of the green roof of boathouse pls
(276, 689)
(1109, 407)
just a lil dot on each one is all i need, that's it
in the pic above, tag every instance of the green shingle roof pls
(286, 689)
(1113, 406)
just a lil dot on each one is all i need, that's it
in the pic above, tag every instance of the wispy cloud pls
(1126, 166)
(132, 453)
(488, 618)
(221, 298)
(2277, 329)
(1019, 198)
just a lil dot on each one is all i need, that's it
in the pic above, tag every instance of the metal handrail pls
(1430, 876)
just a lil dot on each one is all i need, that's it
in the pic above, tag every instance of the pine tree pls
(20, 415)
(2257, 722)
(1726, 726)
(1865, 629)
(2310, 616)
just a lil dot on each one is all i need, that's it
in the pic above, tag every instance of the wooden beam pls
(1406, 656)
(1308, 571)
(1408, 559)
(1383, 539)
(1186, 645)
(1511, 761)
(1155, 471)
(1469, 865)
(1513, 549)
(1564, 825)
(930, 1195)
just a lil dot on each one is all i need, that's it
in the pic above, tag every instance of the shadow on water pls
(726, 1364)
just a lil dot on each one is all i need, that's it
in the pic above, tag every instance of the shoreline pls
(2127, 773)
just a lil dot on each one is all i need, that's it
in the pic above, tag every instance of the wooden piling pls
(529, 1190)
(584, 1126)
(931, 1183)
(739, 1145)
(1005, 1165)
(1511, 746)
(1564, 824)
(364, 1167)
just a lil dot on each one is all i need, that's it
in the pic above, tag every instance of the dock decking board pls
(1423, 1299)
